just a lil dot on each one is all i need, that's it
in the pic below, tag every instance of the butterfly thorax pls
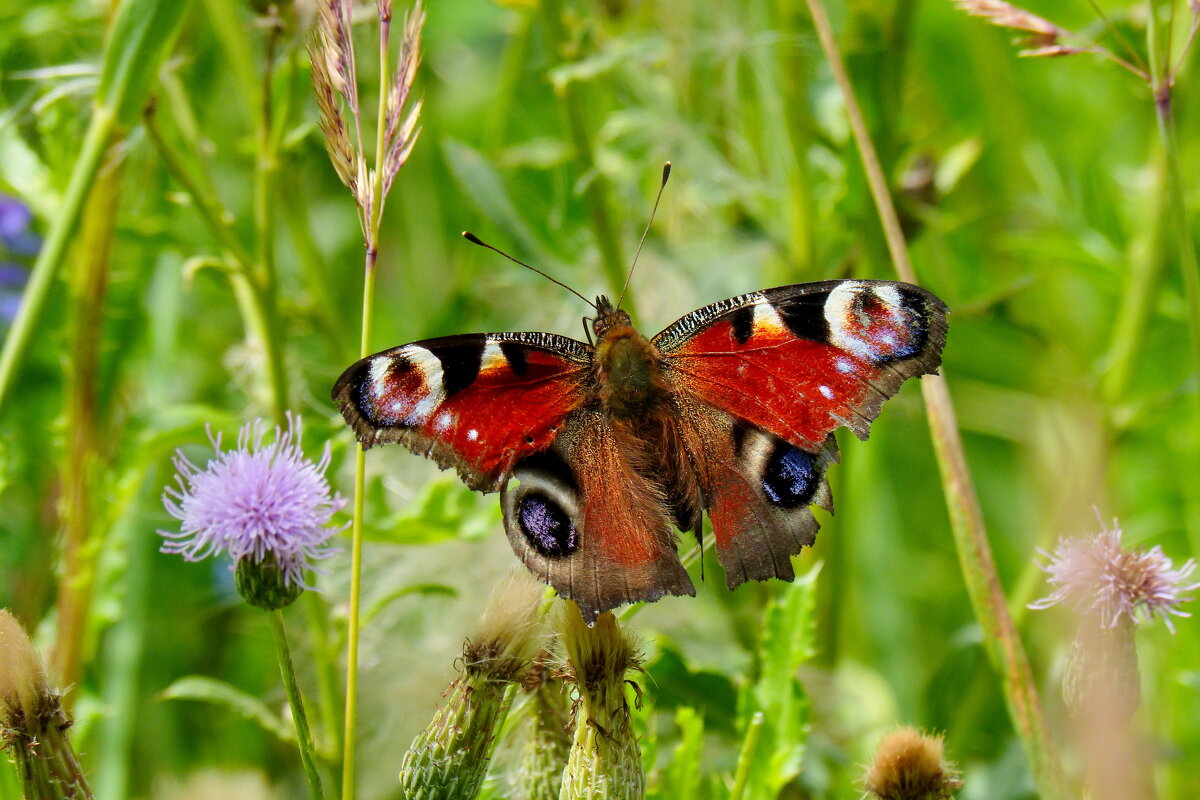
(628, 378)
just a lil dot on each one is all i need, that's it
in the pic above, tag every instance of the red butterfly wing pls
(801, 360)
(475, 402)
(761, 382)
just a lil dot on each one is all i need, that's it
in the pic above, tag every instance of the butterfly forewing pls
(800, 361)
(476, 402)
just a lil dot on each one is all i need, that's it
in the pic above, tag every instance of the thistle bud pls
(449, 759)
(910, 765)
(33, 725)
(264, 585)
(605, 762)
(549, 742)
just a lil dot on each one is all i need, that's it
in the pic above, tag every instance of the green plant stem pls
(1004, 646)
(596, 192)
(81, 465)
(1137, 299)
(303, 737)
(356, 539)
(1185, 250)
(746, 756)
(50, 259)
(266, 164)
(360, 462)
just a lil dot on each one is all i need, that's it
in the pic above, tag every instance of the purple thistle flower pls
(258, 501)
(1092, 573)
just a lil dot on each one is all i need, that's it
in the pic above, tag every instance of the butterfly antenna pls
(666, 174)
(473, 239)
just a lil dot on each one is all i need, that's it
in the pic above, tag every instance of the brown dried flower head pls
(910, 765)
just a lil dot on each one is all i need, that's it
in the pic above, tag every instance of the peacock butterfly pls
(601, 450)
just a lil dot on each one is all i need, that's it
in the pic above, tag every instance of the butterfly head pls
(608, 317)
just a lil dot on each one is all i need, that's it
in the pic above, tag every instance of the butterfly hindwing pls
(590, 525)
(476, 402)
(762, 380)
(758, 490)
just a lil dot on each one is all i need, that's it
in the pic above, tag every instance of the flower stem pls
(746, 756)
(1186, 252)
(966, 517)
(303, 736)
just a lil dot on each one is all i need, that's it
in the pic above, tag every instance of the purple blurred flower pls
(257, 501)
(12, 286)
(1093, 574)
(15, 219)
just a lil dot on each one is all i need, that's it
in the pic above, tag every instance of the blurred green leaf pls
(219, 693)
(424, 589)
(444, 509)
(787, 642)
(139, 40)
(485, 189)
(709, 693)
(682, 778)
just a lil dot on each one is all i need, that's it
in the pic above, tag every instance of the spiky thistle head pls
(605, 761)
(24, 685)
(451, 756)
(260, 502)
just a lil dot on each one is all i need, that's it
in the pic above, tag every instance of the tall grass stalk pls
(360, 456)
(966, 517)
(395, 135)
(81, 462)
(1162, 78)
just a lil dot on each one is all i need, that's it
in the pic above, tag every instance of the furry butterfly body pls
(601, 452)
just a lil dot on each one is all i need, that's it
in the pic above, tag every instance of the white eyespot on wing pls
(379, 372)
(430, 367)
(443, 421)
(846, 321)
(472, 435)
(870, 321)
(826, 392)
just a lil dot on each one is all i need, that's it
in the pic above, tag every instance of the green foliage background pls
(1041, 221)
